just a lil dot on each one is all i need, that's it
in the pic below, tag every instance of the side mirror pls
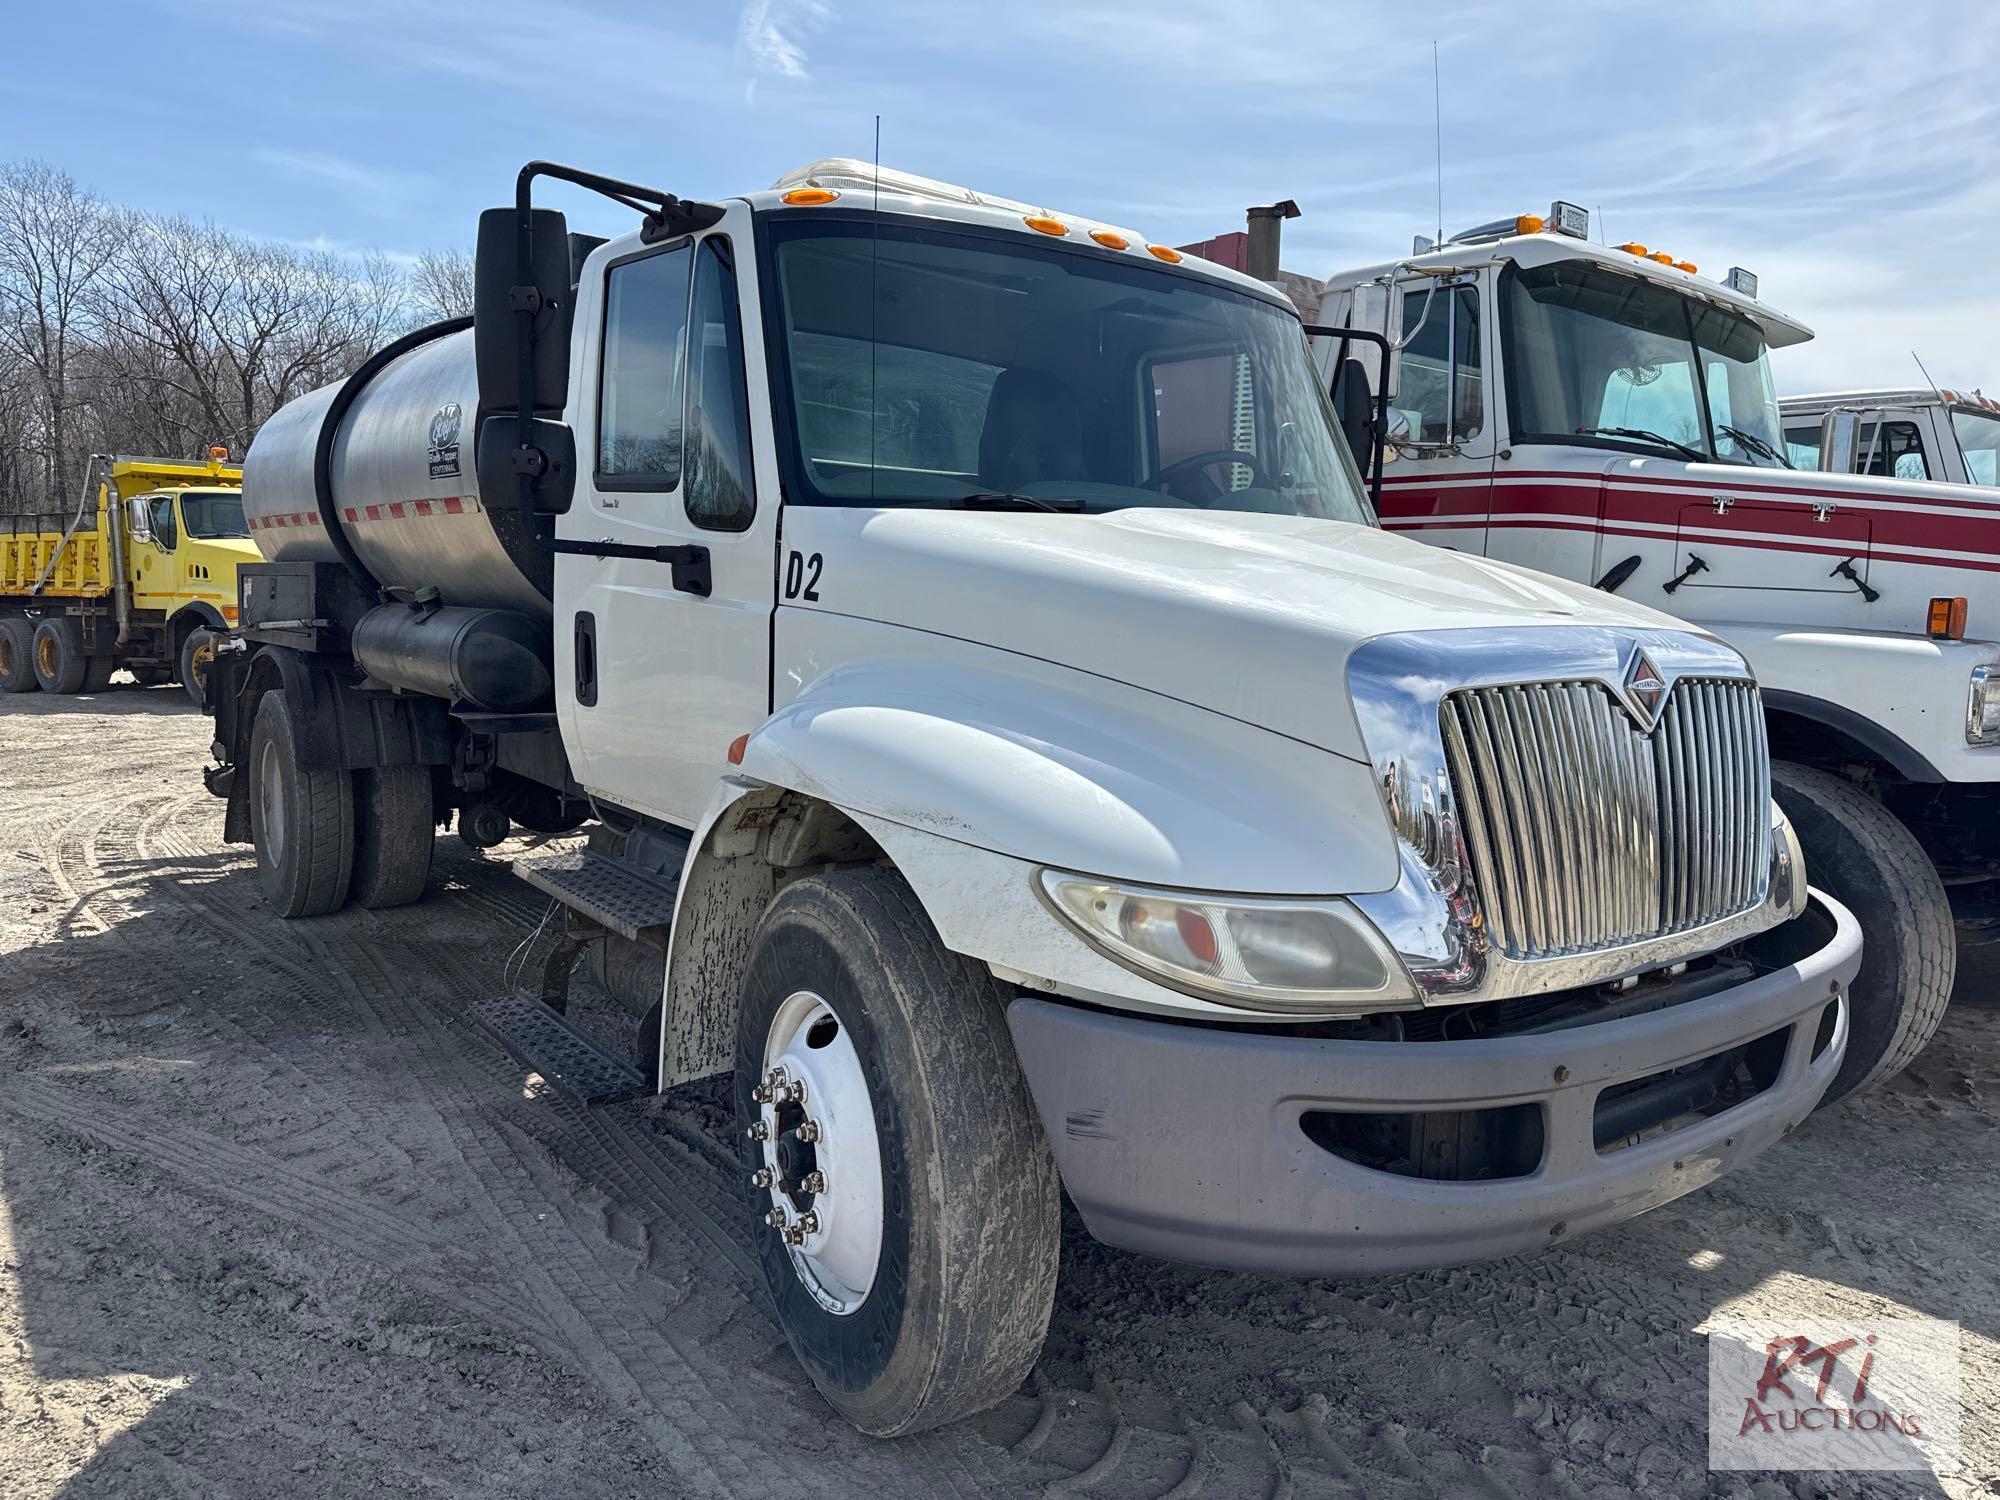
(553, 445)
(500, 296)
(139, 520)
(1354, 407)
(1839, 442)
(1372, 303)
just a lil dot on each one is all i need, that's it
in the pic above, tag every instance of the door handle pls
(690, 563)
(586, 658)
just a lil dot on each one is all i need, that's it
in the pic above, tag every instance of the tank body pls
(405, 487)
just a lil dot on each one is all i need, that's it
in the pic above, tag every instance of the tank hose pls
(329, 429)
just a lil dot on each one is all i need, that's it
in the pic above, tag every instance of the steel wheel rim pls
(198, 663)
(815, 1120)
(45, 655)
(271, 801)
(6, 656)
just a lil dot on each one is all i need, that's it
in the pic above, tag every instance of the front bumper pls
(1190, 1143)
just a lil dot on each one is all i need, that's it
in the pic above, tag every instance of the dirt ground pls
(275, 1218)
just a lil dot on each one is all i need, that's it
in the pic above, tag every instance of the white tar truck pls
(1033, 766)
(1948, 437)
(1605, 413)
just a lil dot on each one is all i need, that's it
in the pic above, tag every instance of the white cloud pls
(773, 31)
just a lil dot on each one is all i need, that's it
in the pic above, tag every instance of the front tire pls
(197, 651)
(1857, 850)
(302, 821)
(850, 990)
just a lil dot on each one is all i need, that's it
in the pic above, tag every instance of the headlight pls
(1982, 712)
(1300, 957)
(1788, 865)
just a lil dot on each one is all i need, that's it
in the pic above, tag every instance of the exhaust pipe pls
(1266, 228)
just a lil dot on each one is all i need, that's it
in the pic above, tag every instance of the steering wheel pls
(1203, 460)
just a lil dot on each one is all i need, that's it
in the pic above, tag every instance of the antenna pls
(1927, 377)
(874, 308)
(1437, 122)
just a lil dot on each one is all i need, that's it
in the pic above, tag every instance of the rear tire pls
(301, 821)
(1858, 851)
(59, 659)
(97, 673)
(393, 835)
(197, 651)
(963, 1206)
(17, 656)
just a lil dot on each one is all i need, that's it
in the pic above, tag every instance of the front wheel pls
(906, 1202)
(197, 652)
(1857, 850)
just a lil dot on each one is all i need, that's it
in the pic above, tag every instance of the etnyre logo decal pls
(1812, 1394)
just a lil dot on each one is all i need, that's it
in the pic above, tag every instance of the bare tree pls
(55, 241)
(441, 285)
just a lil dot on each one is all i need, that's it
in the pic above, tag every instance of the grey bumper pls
(1187, 1142)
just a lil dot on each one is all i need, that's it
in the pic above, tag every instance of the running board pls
(610, 893)
(543, 1042)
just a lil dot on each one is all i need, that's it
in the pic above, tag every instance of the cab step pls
(610, 892)
(543, 1042)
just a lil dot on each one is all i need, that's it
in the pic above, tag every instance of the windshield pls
(923, 366)
(1979, 439)
(1591, 350)
(213, 513)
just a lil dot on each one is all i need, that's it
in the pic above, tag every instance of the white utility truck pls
(1605, 413)
(1947, 437)
(998, 708)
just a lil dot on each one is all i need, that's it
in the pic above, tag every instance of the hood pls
(1248, 615)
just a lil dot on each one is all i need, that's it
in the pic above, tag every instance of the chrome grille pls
(1586, 833)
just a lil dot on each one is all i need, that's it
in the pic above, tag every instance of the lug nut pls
(795, 1236)
(808, 1223)
(761, 1093)
(795, 1093)
(775, 1218)
(759, 1131)
(808, 1131)
(814, 1182)
(761, 1178)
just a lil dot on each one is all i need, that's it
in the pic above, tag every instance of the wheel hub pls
(821, 1158)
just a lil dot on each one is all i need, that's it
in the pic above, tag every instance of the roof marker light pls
(1688, 266)
(809, 197)
(1569, 219)
(1109, 240)
(1043, 224)
(1530, 224)
(1741, 281)
(1633, 247)
(1662, 257)
(1166, 253)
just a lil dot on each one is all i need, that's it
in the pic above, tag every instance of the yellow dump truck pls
(142, 574)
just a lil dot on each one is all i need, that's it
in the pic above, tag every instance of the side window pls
(1442, 391)
(1204, 405)
(1802, 446)
(645, 354)
(165, 531)
(719, 492)
(1898, 453)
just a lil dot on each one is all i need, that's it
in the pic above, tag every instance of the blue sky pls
(1847, 153)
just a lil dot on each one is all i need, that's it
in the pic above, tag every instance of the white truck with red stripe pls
(1948, 437)
(1607, 413)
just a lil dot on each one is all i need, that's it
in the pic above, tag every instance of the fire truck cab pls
(1947, 437)
(1607, 413)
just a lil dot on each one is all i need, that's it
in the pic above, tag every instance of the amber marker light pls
(1947, 619)
(1530, 224)
(1166, 253)
(1109, 240)
(809, 197)
(1043, 224)
(736, 748)
(1633, 247)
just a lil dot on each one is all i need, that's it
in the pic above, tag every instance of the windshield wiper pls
(1651, 437)
(1002, 500)
(1754, 443)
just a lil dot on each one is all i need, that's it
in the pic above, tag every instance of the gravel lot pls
(276, 1219)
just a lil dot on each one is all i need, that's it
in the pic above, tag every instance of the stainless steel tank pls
(405, 486)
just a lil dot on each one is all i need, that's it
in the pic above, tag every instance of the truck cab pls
(1937, 435)
(1014, 757)
(1607, 414)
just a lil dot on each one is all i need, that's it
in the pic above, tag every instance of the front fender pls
(1046, 764)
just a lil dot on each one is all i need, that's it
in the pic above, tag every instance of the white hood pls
(1248, 615)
